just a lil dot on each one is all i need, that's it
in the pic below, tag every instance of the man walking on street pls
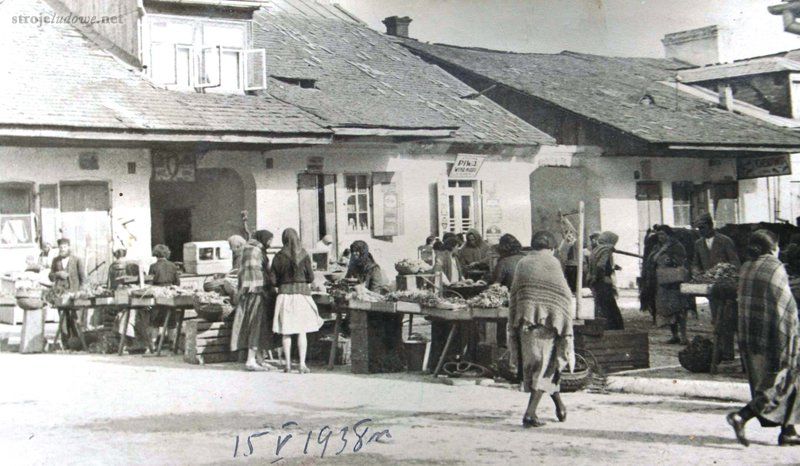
(711, 249)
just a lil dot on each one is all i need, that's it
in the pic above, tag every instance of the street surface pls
(87, 409)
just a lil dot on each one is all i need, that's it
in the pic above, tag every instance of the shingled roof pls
(54, 77)
(609, 91)
(363, 79)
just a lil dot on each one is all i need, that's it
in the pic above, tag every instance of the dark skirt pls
(539, 360)
(605, 305)
(248, 322)
(670, 305)
(775, 399)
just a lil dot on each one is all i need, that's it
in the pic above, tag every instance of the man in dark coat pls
(68, 275)
(711, 249)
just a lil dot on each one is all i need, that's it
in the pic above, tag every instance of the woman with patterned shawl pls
(601, 280)
(540, 322)
(255, 286)
(768, 342)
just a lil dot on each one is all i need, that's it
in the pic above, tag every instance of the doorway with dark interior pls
(177, 231)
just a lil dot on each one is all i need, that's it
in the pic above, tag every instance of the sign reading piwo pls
(466, 167)
(759, 167)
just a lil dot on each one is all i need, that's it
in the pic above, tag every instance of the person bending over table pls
(164, 273)
(364, 268)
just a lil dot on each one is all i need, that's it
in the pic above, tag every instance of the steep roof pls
(609, 90)
(54, 77)
(363, 79)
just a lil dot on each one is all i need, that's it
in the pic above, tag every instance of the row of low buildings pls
(165, 124)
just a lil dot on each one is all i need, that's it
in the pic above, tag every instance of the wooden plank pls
(175, 301)
(203, 325)
(202, 343)
(447, 314)
(214, 333)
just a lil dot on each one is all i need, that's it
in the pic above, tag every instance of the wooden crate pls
(142, 302)
(209, 342)
(617, 350)
(11, 314)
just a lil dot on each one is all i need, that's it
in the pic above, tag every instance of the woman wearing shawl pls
(768, 342)
(601, 280)
(670, 303)
(364, 268)
(295, 310)
(475, 254)
(510, 251)
(254, 288)
(236, 243)
(446, 261)
(540, 322)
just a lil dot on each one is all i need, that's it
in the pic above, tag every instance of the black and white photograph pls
(367, 232)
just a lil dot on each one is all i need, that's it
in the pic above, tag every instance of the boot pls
(788, 437)
(675, 339)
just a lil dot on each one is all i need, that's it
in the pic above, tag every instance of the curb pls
(728, 391)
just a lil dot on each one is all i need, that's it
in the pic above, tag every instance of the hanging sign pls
(761, 167)
(466, 167)
(172, 166)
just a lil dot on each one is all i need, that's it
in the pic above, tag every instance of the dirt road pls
(81, 409)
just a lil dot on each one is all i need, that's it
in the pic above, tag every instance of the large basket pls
(579, 378)
(30, 300)
(671, 275)
(467, 292)
(212, 312)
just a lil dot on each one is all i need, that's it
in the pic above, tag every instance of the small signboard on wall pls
(173, 166)
(466, 167)
(761, 167)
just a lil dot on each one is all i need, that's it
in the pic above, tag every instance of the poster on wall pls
(760, 167)
(174, 166)
(466, 167)
(492, 213)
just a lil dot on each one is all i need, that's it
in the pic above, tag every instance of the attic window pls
(647, 100)
(304, 83)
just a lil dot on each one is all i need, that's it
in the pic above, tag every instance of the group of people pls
(669, 264)
(276, 298)
(459, 256)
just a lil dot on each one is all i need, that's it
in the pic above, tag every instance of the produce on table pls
(210, 297)
(412, 266)
(426, 298)
(340, 288)
(361, 293)
(722, 274)
(495, 296)
(467, 283)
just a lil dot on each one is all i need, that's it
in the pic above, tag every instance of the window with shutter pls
(16, 214)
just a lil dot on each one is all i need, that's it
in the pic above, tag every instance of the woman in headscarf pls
(236, 243)
(255, 285)
(601, 280)
(510, 251)
(475, 255)
(670, 303)
(364, 268)
(295, 310)
(446, 262)
(540, 322)
(769, 342)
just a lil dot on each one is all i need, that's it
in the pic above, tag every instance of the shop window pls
(358, 203)
(682, 203)
(16, 214)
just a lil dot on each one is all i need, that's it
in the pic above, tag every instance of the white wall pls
(130, 193)
(277, 200)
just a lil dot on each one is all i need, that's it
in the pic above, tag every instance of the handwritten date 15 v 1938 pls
(348, 438)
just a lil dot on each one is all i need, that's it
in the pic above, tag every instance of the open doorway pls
(177, 231)
(317, 208)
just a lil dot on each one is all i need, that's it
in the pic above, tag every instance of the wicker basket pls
(212, 312)
(467, 292)
(579, 378)
(670, 275)
(30, 300)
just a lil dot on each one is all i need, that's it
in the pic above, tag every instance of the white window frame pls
(200, 63)
(246, 75)
(31, 215)
(348, 194)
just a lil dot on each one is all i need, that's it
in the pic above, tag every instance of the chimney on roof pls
(704, 46)
(726, 97)
(397, 26)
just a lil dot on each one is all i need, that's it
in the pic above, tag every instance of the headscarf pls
(292, 249)
(365, 259)
(263, 237)
(508, 246)
(476, 253)
(602, 254)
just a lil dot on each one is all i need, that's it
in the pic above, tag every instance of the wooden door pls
(329, 197)
(86, 221)
(648, 196)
